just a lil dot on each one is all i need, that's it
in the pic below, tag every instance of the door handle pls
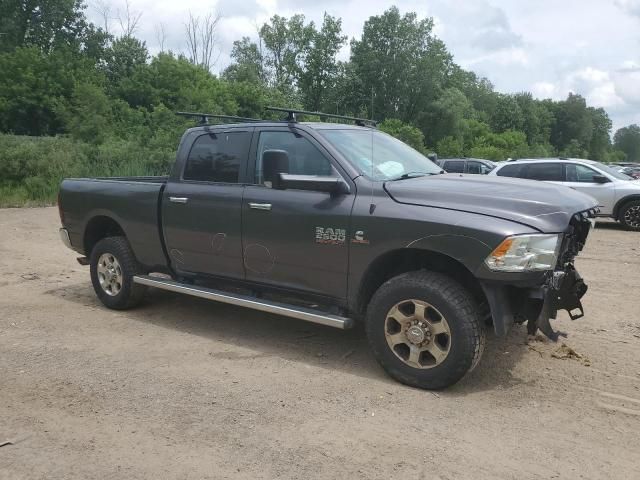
(260, 206)
(178, 199)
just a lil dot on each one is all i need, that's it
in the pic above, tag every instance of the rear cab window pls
(217, 157)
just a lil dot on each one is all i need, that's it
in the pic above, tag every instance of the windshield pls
(612, 171)
(379, 156)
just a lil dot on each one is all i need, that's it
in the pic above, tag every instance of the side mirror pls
(600, 179)
(316, 183)
(274, 162)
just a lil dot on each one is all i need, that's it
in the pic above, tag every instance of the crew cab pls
(336, 224)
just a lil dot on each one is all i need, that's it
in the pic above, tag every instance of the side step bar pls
(300, 313)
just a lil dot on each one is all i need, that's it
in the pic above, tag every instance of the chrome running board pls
(301, 313)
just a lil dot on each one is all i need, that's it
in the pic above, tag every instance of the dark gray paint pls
(461, 216)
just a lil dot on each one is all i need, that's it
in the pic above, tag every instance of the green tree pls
(450, 147)
(573, 126)
(122, 58)
(507, 114)
(627, 140)
(35, 86)
(248, 63)
(400, 64)
(536, 118)
(88, 116)
(407, 133)
(286, 41)
(446, 116)
(600, 142)
(321, 69)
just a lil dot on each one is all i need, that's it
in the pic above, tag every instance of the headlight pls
(525, 253)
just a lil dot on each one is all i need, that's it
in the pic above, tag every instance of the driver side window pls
(304, 157)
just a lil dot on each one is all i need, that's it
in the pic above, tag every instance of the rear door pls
(580, 177)
(201, 209)
(296, 239)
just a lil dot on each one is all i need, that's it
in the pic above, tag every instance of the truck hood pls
(543, 206)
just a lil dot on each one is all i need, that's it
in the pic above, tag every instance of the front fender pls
(469, 251)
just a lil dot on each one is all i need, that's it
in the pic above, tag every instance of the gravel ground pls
(189, 389)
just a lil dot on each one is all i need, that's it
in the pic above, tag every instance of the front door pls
(580, 178)
(201, 212)
(296, 239)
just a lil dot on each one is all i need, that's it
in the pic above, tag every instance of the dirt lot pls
(184, 388)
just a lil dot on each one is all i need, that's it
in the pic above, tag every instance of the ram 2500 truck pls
(336, 224)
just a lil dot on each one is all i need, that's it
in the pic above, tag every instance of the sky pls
(546, 47)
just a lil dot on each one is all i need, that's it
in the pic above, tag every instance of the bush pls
(31, 168)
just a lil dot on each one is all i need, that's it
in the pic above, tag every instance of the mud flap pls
(563, 291)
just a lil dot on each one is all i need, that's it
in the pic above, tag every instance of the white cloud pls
(629, 6)
(544, 90)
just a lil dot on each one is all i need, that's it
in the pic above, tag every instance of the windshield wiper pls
(404, 176)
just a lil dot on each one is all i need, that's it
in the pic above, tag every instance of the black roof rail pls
(204, 117)
(292, 116)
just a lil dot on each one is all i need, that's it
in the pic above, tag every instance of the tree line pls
(105, 96)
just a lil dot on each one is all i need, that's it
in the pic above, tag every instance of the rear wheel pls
(113, 267)
(424, 329)
(630, 215)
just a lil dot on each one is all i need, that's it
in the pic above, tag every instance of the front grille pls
(576, 235)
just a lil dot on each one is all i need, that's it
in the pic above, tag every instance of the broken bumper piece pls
(562, 291)
(536, 304)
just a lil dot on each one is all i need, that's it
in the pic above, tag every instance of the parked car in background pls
(466, 165)
(633, 172)
(626, 164)
(618, 194)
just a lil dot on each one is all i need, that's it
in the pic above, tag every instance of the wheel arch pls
(97, 228)
(622, 202)
(403, 260)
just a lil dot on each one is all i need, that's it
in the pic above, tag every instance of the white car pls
(618, 194)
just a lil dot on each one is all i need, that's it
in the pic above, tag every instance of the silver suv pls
(617, 194)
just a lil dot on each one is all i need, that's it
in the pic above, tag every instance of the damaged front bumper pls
(536, 298)
(537, 305)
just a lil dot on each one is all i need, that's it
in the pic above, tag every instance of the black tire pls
(467, 336)
(630, 215)
(129, 294)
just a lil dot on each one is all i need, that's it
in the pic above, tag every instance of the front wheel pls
(424, 329)
(113, 267)
(630, 215)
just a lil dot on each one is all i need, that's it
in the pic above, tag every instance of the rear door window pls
(550, 172)
(476, 167)
(217, 157)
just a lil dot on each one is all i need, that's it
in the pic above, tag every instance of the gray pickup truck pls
(336, 224)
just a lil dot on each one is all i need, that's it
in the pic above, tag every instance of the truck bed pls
(132, 202)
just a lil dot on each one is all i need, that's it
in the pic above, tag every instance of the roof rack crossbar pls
(291, 116)
(204, 117)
